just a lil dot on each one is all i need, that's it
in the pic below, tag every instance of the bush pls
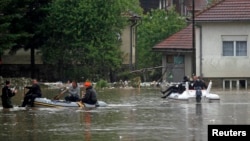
(101, 83)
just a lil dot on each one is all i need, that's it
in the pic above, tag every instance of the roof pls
(223, 10)
(180, 40)
(226, 10)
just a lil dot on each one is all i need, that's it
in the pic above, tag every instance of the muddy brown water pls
(131, 115)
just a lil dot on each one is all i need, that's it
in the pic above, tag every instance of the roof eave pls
(172, 50)
(220, 21)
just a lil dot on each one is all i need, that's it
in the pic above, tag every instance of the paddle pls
(57, 97)
(80, 104)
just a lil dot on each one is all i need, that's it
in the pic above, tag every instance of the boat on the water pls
(45, 102)
(191, 94)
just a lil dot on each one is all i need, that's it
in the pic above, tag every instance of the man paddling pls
(73, 92)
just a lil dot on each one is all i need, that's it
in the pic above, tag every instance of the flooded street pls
(132, 115)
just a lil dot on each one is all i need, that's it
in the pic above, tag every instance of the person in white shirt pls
(73, 92)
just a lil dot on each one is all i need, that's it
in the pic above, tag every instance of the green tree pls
(83, 35)
(18, 27)
(157, 25)
(11, 12)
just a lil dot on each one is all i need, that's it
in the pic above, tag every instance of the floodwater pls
(132, 115)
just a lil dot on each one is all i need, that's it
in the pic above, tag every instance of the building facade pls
(222, 45)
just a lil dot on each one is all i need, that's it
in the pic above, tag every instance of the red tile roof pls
(223, 10)
(226, 10)
(180, 40)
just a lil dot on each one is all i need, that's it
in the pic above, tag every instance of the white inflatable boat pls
(191, 94)
(44, 102)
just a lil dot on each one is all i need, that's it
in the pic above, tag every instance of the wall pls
(209, 60)
(186, 67)
(21, 57)
(125, 37)
(126, 44)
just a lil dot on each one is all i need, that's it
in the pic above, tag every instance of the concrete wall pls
(188, 64)
(126, 44)
(21, 57)
(187, 67)
(125, 37)
(209, 59)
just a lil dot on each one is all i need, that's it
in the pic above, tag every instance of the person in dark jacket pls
(180, 88)
(34, 92)
(7, 93)
(199, 83)
(90, 97)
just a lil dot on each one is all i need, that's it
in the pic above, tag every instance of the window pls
(241, 48)
(228, 48)
(170, 59)
(179, 59)
(234, 48)
(163, 4)
(175, 59)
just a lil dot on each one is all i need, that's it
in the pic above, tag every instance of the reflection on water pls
(132, 115)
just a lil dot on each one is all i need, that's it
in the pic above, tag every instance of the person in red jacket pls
(7, 93)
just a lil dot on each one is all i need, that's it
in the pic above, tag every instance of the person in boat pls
(73, 92)
(176, 89)
(90, 97)
(182, 85)
(191, 85)
(7, 93)
(34, 92)
(199, 83)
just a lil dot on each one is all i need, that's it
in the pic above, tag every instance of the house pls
(222, 45)
(183, 7)
(177, 51)
(128, 37)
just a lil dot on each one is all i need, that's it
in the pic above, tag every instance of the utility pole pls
(193, 39)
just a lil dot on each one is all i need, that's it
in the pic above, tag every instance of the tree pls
(19, 22)
(82, 36)
(10, 13)
(157, 25)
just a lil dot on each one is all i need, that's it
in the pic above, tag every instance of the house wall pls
(21, 57)
(125, 37)
(209, 60)
(188, 64)
(178, 71)
(126, 45)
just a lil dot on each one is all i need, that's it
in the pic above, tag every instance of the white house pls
(222, 45)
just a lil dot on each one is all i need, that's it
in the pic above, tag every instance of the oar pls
(23, 92)
(80, 104)
(57, 97)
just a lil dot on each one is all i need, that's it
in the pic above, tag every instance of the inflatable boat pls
(44, 102)
(191, 94)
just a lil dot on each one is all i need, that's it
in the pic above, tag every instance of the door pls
(178, 69)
